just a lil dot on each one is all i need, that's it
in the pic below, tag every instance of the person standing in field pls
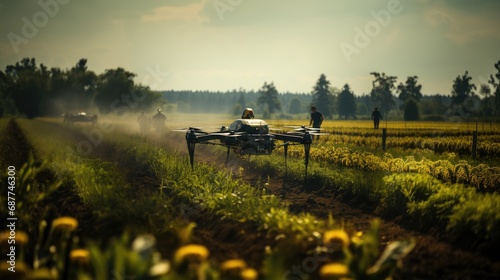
(143, 123)
(159, 121)
(316, 119)
(376, 117)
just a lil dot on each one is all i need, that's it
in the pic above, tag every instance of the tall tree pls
(410, 89)
(83, 84)
(322, 97)
(462, 88)
(242, 101)
(346, 103)
(411, 112)
(7, 106)
(27, 86)
(269, 97)
(296, 106)
(410, 94)
(114, 89)
(494, 81)
(488, 101)
(381, 94)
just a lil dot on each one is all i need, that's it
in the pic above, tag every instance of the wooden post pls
(474, 143)
(384, 137)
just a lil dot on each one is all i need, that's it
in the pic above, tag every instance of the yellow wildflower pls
(191, 252)
(249, 274)
(336, 236)
(334, 270)
(68, 223)
(79, 255)
(234, 264)
(20, 236)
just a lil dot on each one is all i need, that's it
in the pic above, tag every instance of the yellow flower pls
(234, 264)
(68, 223)
(21, 269)
(79, 255)
(336, 236)
(249, 274)
(192, 252)
(334, 270)
(20, 236)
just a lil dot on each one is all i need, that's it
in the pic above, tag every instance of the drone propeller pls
(228, 133)
(184, 129)
(303, 128)
(196, 130)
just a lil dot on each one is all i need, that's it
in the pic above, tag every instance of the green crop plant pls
(28, 190)
(443, 169)
(458, 210)
(98, 184)
(476, 218)
(221, 193)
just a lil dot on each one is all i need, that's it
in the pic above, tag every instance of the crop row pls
(487, 146)
(483, 177)
(461, 212)
(413, 132)
(102, 188)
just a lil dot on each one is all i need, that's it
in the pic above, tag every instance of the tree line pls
(466, 100)
(34, 90)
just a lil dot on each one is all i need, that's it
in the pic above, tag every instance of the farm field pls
(138, 209)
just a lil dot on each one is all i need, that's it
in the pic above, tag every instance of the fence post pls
(384, 137)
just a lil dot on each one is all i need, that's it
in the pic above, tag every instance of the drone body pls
(248, 137)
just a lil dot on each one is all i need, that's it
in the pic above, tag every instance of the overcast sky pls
(228, 44)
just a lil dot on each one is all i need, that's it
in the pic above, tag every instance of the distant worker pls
(247, 114)
(159, 121)
(376, 117)
(144, 123)
(316, 119)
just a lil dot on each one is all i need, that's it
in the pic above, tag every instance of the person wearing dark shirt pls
(376, 117)
(159, 121)
(316, 118)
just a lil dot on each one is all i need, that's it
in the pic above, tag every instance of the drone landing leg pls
(285, 147)
(227, 155)
(191, 152)
(307, 149)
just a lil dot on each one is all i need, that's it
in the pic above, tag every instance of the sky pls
(222, 45)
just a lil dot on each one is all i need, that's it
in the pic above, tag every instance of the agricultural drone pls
(250, 137)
